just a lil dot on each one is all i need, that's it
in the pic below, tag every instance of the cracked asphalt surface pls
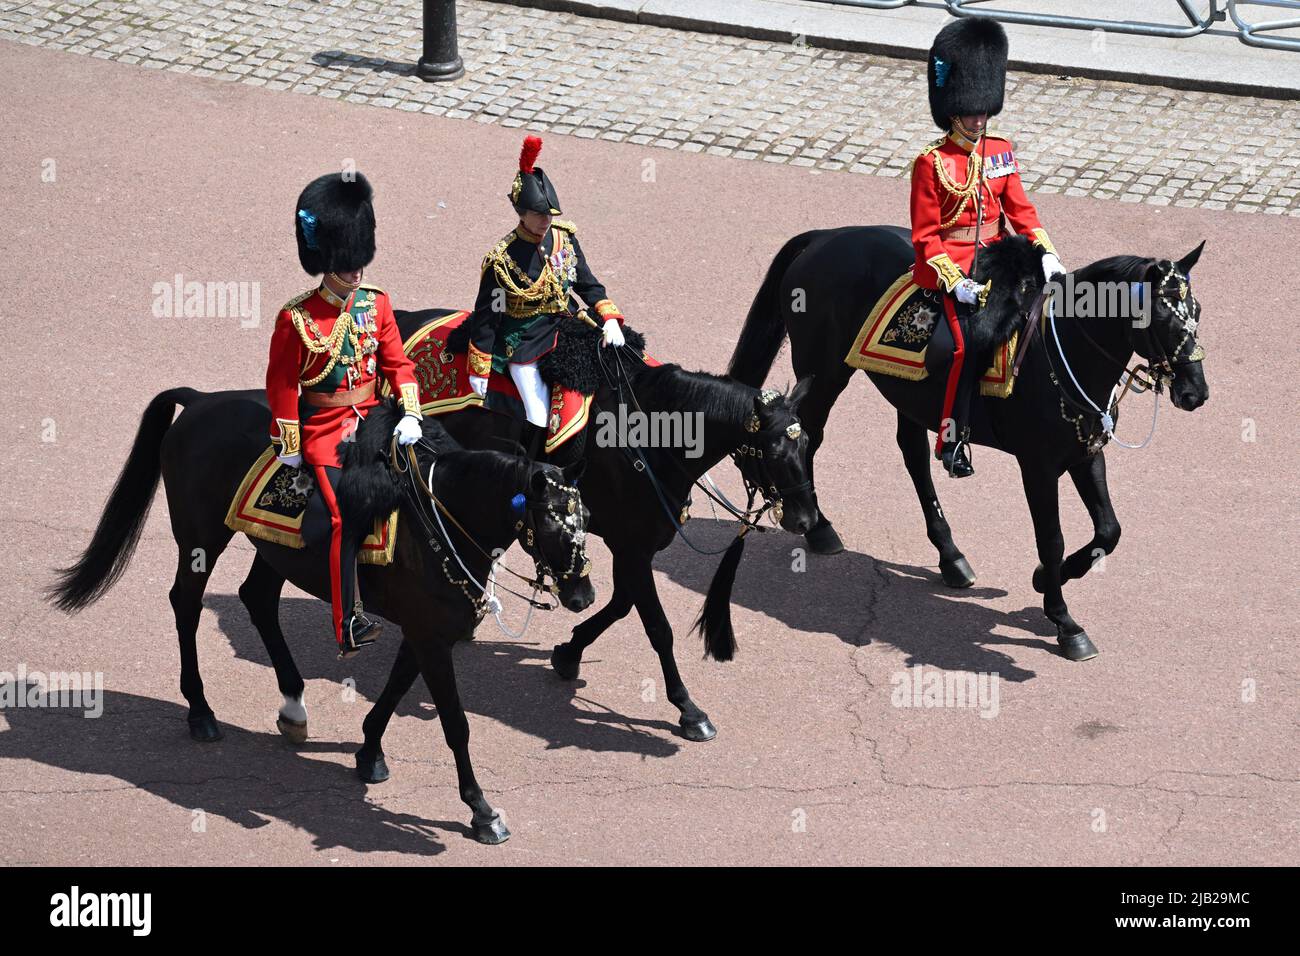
(1176, 746)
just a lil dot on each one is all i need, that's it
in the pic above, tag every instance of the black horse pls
(203, 456)
(819, 289)
(636, 505)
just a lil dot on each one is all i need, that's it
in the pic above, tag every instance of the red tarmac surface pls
(1146, 755)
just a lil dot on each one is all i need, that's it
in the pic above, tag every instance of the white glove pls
(613, 333)
(968, 291)
(293, 461)
(408, 430)
(479, 384)
(1052, 267)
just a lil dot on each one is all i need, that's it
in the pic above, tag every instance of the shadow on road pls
(248, 778)
(508, 681)
(864, 600)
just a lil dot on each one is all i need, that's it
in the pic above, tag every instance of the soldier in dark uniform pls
(964, 181)
(524, 295)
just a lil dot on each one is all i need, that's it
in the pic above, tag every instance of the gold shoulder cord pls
(332, 344)
(966, 192)
(531, 297)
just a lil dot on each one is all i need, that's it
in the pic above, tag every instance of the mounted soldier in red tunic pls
(328, 349)
(526, 291)
(966, 193)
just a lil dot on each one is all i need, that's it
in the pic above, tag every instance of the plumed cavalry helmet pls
(967, 73)
(532, 191)
(335, 223)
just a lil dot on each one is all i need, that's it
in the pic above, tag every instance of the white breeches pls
(533, 391)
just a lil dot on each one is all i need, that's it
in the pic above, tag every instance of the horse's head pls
(773, 459)
(1165, 334)
(552, 528)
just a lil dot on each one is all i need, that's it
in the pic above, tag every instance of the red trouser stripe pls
(954, 373)
(336, 550)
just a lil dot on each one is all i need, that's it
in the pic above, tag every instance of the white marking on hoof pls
(294, 710)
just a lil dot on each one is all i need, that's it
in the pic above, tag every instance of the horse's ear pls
(575, 470)
(537, 480)
(1186, 262)
(799, 392)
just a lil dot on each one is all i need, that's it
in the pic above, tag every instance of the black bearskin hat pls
(532, 191)
(967, 72)
(335, 223)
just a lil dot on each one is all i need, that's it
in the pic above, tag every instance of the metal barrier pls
(1197, 23)
(869, 4)
(1252, 33)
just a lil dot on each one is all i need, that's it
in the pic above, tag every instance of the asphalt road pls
(1176, 746)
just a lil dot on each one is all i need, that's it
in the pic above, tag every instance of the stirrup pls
(956, 460)
(358, 631)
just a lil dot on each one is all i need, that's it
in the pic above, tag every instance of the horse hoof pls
(1077, 647)
(492, 831)
(564, 666)
(958, 573)
(372, 769)
(823, 539)
(205, 729)
(293, 731)
(1040, 582)
(698, 730)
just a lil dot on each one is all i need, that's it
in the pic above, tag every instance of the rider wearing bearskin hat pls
(329, 348)
(525, 289)
(966, 193)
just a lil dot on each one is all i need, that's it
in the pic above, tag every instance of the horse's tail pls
(714, 621)
(120, 526)
(764, 330)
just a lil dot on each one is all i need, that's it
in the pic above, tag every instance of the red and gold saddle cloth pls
(273, 499)
(896, 335)
(444, 383)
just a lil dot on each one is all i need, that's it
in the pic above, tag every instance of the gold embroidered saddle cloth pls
(443, 376)
(894, 339)
(273, 499)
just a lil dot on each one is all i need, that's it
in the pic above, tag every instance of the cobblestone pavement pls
(755, 100)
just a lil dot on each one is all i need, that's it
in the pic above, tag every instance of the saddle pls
(896, 336)
(274, 499)
(439, 351)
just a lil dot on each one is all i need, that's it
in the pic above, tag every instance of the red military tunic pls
(370, 348)
(944, 207)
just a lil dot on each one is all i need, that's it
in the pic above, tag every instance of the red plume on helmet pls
(528, 154)
(531, 191)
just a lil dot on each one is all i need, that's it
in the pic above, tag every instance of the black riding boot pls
(533, 439)
(358, 630)
(956, 454)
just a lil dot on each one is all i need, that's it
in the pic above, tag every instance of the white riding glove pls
(613, 333)
(408, 430)
(1052, 267)
(968, 291)
(479, 384)
(293, 461)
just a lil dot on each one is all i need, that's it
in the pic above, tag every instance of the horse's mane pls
(369, 489)
(1007, 263)
(1116, 269)
(672, 388)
